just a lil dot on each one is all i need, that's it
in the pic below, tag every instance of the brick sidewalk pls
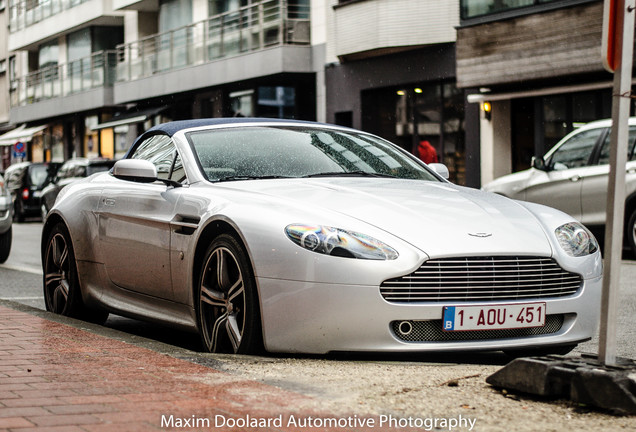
(54, 377)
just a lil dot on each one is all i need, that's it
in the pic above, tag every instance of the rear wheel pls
(228, 311)
(5, 245)
(62, 293)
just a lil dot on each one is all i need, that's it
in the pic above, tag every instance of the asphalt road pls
(403, 385)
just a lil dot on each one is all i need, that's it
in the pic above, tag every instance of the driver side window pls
(576, 151)
(162, 152)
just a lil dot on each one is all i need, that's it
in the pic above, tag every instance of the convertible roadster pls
(295, 236)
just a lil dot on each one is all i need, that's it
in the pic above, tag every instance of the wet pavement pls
(57, 377)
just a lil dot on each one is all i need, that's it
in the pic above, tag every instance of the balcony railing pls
(25, 13)
(251, 28)
(95, 71)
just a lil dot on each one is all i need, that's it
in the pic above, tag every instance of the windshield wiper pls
(349, 173)
(245, 177)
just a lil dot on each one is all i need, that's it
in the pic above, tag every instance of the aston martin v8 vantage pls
(294, 236)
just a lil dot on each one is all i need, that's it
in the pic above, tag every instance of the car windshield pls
(38, 175)
(294, 152)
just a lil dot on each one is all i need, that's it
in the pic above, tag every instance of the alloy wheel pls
(57, 268)
(222, 301)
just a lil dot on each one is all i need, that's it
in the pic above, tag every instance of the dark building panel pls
(558, 43)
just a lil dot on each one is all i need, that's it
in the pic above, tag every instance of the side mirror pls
(538, 162)
(440, 169)
(136, 170)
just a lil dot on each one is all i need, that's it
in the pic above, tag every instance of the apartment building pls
(536, 64)
(94, 73)
(391, 71)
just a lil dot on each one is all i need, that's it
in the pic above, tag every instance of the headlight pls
(338, 242)
(576, 240)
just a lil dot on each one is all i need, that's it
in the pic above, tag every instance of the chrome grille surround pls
(431, 331)
(482, 279)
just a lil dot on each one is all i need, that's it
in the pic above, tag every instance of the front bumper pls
(319, 318)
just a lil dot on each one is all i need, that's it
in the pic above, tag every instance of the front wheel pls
(62, 293)
(228, 311)
(630, 231)
(5, 245)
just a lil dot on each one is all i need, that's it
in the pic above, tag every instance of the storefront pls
(407, 98)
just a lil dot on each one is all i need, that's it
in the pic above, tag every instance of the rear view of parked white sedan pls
(302, 237)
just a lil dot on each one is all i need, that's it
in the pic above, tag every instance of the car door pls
(134, 224)
(561, 186)
(595, 181)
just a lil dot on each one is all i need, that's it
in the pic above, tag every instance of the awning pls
(129, 118)
(481, 97)
(21, 133)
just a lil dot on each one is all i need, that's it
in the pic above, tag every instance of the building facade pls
(537, 65)
(94, 73)
(391, 71)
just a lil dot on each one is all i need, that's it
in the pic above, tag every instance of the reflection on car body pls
(573, 177)
(302, 237)
(70, 171)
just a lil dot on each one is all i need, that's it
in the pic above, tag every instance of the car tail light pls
(25, 194)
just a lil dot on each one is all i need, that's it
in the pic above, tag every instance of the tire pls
(19, 211)
(62, 293)
(539, 352)
(228, 310)
(630, 232)
(5, 245)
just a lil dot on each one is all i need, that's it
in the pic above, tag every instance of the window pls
(478, 8)
(604, 155)
(161, 151)
(576, 151)
(3, 66)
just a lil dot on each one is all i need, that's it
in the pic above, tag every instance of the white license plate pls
(493, 317)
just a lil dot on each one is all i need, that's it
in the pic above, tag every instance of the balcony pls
(233, 36)
(251, 28)
(27, 13)
(80, 85)
(33, 21)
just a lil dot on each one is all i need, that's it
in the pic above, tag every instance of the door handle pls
(575, 178)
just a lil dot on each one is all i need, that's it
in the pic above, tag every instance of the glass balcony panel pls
(254, 27)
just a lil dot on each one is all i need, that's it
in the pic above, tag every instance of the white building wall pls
(376, 24)
(4, 76)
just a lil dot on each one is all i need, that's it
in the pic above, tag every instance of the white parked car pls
(573, 177)
(302, 237)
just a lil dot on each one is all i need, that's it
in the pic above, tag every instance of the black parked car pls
(72, 170)
(25, 181)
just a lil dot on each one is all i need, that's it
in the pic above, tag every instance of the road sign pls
(19, 150)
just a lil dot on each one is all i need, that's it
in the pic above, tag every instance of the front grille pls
(482, 279)
(431, 331)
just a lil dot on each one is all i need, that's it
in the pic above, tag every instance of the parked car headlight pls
(576, 240)
(338, 242)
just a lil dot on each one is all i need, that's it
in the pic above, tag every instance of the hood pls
(440, 219)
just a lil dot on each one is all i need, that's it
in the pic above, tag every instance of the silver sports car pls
(295, 236)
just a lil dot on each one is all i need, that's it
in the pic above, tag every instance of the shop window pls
(423, 112)
(479, 8)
